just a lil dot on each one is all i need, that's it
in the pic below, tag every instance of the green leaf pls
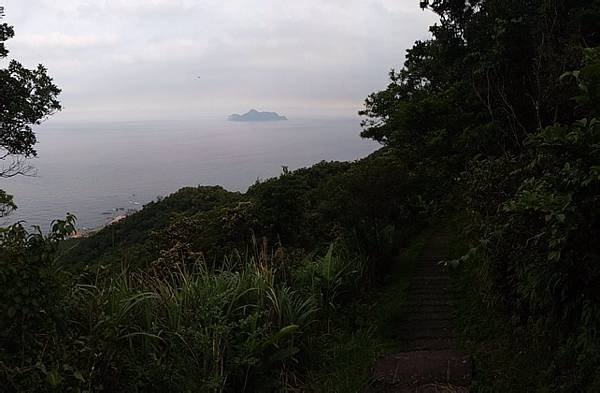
(77, 374)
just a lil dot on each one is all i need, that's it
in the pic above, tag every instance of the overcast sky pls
(159, 59)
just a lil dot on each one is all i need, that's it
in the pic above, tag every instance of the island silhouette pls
(254, 115)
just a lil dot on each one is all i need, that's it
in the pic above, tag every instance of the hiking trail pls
(428, 359)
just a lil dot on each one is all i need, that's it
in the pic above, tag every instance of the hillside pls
(485, 196)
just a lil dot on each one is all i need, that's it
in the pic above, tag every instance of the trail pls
(428, 359)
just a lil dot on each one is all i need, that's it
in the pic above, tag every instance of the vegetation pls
(494, 120)
(503, 103)
(205, 290)
(26, 98)
(176, 326)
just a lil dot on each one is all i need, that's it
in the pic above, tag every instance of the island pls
(254, 115)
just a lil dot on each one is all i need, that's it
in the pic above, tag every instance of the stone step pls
(430, 278)
(429, 361)
(413, 308)
(431, 265)
(432, 285)
(427, 297)
(435, 323)
(427, 333)
(428, 344)
(416, 303)
(428, 273)
(436, 264)
(430, 316)
(427, 316)
(431, 260)
(427, 388)
(413, 369)
(427, 290)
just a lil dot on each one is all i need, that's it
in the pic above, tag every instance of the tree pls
(504, 100)
(486, 80)
(27, 97)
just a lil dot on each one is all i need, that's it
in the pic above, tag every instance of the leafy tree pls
(27, 97)
(487, 79)
(492, 100)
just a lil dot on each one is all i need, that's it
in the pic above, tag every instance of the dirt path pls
(428, 359)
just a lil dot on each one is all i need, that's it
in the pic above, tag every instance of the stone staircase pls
(428, 359)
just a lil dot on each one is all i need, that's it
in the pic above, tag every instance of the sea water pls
(100, 170)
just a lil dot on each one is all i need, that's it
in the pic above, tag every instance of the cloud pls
(121, 56)
(57, 40)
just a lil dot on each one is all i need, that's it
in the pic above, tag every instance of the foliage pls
(217, 291)
(487, 78)
(131, 240)
(244, 326)
(208, 290)
(538, 254)
(27, 97)
(304, 210)
(491, 103)
(30, 301)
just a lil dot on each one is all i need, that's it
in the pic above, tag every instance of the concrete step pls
(427, 361)
(440, 315)
(431, 265)
(431, 285)
(435, 323)
(415, 369)
(413, 308)
(428, 344)
(427, 333)
(432, 260)
(428, 273)
(426, 281)
(426, 388)
(426, 303)
(429, 297)
(430, 278)
(435, 290)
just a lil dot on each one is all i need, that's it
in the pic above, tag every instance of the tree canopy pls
(502, 104)
(488, 77)
(27, 97)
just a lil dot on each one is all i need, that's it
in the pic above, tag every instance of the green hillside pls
(490, 133)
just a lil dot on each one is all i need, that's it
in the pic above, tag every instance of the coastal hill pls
(254, 115)
(464, 249)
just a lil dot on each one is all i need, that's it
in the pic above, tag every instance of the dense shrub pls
(131, 239)
(374, 203)
(208, 290)
(540, 219)
(178, 325)
(31, 301)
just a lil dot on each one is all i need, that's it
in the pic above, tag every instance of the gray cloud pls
(133, 58)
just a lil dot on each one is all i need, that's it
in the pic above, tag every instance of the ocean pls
(99, 170)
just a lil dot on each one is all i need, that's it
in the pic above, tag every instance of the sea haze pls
(93, 170)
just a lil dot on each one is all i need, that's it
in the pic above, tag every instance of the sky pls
(162, 59)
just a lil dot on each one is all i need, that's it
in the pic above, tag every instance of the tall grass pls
(250, 325)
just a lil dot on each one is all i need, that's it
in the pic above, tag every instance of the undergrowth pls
(369, 329)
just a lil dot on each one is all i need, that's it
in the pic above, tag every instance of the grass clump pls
(369, 328)
(253, 323)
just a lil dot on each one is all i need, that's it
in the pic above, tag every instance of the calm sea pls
(97, 170)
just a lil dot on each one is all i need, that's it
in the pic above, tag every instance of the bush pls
(248, 324)
(539, 253)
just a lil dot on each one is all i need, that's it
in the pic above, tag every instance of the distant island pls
(254, 115)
